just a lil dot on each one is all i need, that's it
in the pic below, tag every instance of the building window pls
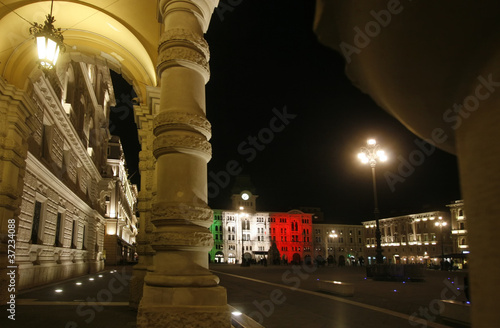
(84, 246)
(58, 241)
(73, 234)
(37, 218)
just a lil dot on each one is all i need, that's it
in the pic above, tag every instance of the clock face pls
(245, 196)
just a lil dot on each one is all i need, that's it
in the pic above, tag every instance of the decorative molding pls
(171, 120)
(172, 56)
(181, 143)
(181, 45)
(181, 239)
(58, 115)
(163, 211)
(189, 38)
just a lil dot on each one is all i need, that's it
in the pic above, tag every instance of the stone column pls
(144, 121)
(179, 290)
(478, 150)
(15, 128)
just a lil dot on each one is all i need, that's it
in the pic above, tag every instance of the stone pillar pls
(478, 150)
(179, 290)
(144, 121)
(15, 128)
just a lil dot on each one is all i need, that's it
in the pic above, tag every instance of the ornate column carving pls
(179, 290)
(15, 128)
(147, 163)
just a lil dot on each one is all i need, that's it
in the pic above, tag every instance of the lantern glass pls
(48, 51)
(40, 44)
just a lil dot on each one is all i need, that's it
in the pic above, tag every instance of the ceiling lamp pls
(49, 42)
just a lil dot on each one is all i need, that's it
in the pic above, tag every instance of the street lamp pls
(49, 41)
(371, 154)
(441, 224)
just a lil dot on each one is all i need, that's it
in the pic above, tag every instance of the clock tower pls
(245, 201)
(244, 194)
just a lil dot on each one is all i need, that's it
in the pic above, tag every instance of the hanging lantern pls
(49, 42)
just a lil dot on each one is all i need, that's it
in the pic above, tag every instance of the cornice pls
(46, 177)
(59, 117)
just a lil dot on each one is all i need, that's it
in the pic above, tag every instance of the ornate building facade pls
(121, 201)
(61, 208)
(413, 238)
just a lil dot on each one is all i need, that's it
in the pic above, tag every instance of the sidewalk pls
(95, 300)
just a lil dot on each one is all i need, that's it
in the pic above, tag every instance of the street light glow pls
(372, 153)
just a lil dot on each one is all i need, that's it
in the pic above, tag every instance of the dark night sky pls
(264, 58)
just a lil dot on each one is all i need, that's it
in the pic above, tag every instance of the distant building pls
(241, 233)
(345, 249)
(412, 238)
(459, 231)
(245, 234)
(120, 197)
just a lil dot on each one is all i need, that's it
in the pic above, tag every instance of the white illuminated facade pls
(240, 233)
(120, 199)
(413, 238)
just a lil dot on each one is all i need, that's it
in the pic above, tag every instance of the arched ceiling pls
(125, 33)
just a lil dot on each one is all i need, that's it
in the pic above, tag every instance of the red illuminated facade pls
(292, 233)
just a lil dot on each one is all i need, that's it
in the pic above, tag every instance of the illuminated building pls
(339, 243)
(245, 234)
(120, 198)
(292, 233)
(459, 231)
(242, 233)
(61, 211)
(412, 238)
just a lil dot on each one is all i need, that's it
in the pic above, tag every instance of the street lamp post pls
(441, 224)
(371, 154)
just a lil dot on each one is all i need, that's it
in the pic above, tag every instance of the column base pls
(183, 307)
(136, 286)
